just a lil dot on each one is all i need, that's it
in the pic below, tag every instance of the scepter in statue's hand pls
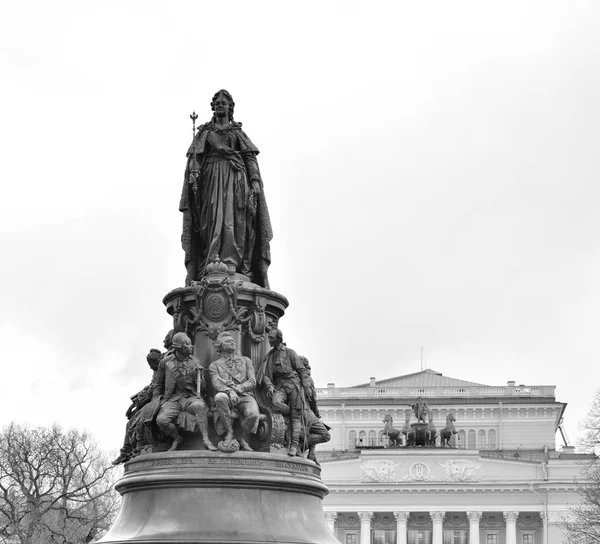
(194, 166)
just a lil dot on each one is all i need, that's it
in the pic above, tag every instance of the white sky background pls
(431, 170)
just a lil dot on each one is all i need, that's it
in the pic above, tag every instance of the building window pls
(352, 440)
(362, 439)
(351, 538)
(372, 439)
(419, 537)
(383, 537)
(491, 538)
(471, 440)
(481, 442)
(455, 537)
(462, 439)
(492, 439)
(527, 538)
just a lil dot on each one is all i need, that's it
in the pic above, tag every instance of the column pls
(438, 519)
(474, 518)
(511, 527)
(401, 522)
(365, 527)
(330, 518)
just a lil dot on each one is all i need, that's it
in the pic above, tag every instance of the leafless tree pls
(583, 527)
(591, 426)
(55, 487)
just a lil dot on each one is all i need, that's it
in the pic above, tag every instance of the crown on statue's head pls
(216, 267)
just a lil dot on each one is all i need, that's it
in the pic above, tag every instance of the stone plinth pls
(206, 497)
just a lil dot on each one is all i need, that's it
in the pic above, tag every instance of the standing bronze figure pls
(225, 215)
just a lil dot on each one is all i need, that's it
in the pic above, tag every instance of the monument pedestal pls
(225, 302)
(206, 497)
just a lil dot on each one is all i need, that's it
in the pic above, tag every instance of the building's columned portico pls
(499, 480)
(437, 527)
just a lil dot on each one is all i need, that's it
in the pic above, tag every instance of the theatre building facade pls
(500, 478)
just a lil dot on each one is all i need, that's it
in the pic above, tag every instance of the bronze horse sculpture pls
(392, 433)
(447, 432)
(431, 432)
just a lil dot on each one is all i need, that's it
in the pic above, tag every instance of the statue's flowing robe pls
(221, 216)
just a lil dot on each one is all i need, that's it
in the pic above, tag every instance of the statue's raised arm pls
(225, 214)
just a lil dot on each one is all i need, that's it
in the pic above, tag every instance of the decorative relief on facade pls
(491, 520)
(379, 471)
(456, 520)
(385, 520)
(418, 472)
(420, 519)
(460, 470)
(349, 521)
(527, 519)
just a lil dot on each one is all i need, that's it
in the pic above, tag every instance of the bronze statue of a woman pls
(225, 214)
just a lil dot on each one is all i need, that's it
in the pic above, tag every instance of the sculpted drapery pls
(225, 213)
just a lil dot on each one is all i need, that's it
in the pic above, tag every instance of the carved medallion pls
(418, 472)
(215, 306)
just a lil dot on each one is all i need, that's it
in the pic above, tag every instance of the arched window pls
(462, 439)
(481, 442)
(362, 439)
(471, 440)
(352, 440)
(492, 439)
(382, 440)
(372, 439)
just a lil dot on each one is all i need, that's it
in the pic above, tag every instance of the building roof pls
(424, 378)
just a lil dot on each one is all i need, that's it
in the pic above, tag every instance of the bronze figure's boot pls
(243, 440)
(203, 424)
(295, 434)
(229, 430)
(177, 440)
(312, 455)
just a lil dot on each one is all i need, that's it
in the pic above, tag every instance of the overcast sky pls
(431, 170)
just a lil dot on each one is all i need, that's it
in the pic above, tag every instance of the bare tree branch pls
(55, 486)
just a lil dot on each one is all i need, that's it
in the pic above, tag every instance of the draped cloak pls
(223, 217)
